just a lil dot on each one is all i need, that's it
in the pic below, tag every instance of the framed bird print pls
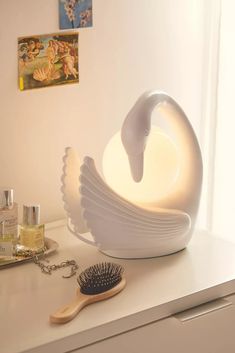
(75, 13)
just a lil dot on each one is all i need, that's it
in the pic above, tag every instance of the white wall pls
(134, 46)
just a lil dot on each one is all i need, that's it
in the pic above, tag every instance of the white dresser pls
(160, 310)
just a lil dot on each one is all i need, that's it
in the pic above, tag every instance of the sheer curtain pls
(208, 121)
(223, 195)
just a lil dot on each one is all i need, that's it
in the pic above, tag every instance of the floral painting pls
(75, 13)
(48, 60)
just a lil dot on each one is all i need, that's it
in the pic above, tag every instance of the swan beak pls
(137, 166)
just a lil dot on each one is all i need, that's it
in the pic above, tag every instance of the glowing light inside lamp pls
(161, 168)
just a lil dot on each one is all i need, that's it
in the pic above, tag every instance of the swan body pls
(123, 228)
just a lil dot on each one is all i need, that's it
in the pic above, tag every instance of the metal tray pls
(50, 244)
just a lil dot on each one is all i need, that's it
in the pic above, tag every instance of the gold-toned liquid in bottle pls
(8, 222)
(31, 231)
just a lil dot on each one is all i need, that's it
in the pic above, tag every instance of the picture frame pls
(48, 60)
(75, 14)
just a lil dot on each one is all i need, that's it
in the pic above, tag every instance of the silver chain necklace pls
(48, 269)
(39, 258)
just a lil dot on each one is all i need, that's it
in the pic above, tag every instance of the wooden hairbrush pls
(98, 282)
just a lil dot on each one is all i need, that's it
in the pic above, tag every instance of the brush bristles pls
(100, 277)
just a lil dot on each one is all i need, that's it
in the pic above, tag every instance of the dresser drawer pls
(208, 328)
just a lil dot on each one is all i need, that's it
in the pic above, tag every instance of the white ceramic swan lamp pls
(147, 204)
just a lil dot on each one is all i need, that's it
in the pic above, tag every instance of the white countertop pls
(156, 288)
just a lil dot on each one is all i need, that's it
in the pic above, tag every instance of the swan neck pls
(188, 185)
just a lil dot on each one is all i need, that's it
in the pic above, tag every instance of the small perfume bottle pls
(31, 231)
(8, 222)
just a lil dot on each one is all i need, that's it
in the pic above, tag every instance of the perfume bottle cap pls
(31, 215)
(6, 198)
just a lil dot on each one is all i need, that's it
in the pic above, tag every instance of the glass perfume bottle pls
(8, 222)
(31, 231)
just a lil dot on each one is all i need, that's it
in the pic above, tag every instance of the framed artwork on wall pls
(48, 60)
(75, 13)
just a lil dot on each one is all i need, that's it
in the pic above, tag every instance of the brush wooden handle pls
(69, 311)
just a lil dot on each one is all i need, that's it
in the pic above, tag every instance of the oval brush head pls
(98, 282)
(100, 277)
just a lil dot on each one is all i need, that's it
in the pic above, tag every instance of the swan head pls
(136, 129)
(134, 134)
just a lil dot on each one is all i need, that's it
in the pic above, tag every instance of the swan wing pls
(91, 180)
(70, 189)
(105, 210)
